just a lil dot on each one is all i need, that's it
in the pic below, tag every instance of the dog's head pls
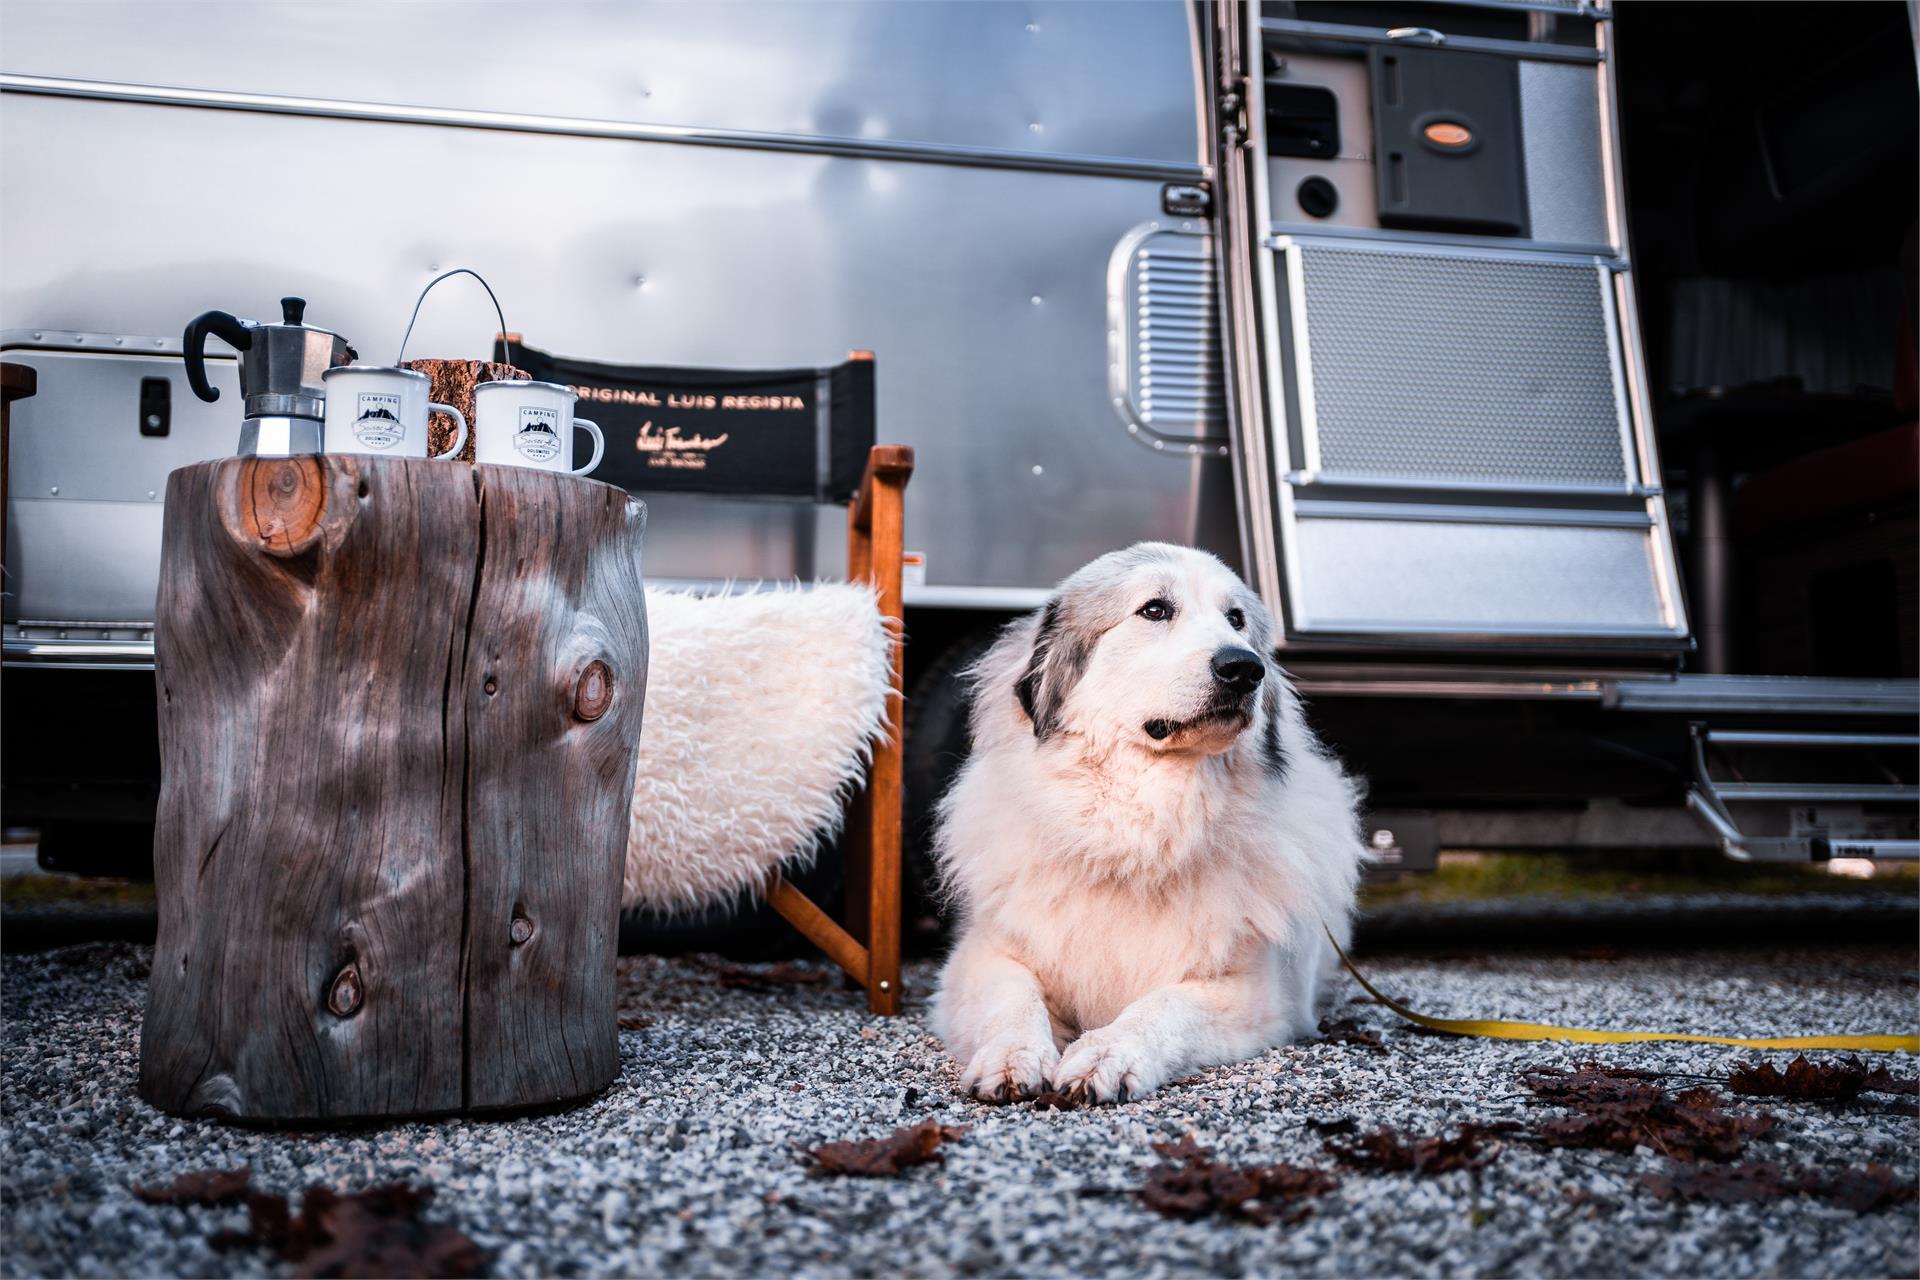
(1158, 645)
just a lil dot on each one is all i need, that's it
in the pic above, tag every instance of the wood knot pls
(343, 998)
(594, 694)
(520, 930)
(282, 502)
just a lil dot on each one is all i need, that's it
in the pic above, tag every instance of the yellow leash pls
(1497, 1030)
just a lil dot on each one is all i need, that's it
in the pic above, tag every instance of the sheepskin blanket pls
(762, 708)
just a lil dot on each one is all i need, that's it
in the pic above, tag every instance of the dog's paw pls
(1101, 1067)
(1009, 1069)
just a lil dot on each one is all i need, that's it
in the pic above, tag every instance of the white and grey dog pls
(1145, 843)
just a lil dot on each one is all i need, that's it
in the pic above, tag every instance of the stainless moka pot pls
(280, 370)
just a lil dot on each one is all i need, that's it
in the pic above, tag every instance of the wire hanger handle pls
(457, 271)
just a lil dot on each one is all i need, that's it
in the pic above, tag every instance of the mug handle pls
(459, 425)
(599, 446)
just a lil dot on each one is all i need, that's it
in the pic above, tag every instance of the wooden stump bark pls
(399, 711)
(453, 383)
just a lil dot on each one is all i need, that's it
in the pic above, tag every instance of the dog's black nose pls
(1238, 669)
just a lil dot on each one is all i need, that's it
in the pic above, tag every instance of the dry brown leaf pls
(885, 1157)
(1866, 1190)
(376, 1232)
(1390, 1151)
(1616, 1109)
(1193, 1185)
(1837, 1081)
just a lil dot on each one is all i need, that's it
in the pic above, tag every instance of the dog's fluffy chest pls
(1099, 948)
(1145, 885)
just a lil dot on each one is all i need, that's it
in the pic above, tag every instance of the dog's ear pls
(1273, 746)
(1053, 668)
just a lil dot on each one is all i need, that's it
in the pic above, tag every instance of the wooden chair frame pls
(868, 946)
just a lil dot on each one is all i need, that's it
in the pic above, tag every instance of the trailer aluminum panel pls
(944, 185)
(1049, 80)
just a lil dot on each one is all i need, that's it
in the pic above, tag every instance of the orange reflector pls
(1445, 133)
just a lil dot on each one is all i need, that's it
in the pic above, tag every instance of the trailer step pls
(1751, 788)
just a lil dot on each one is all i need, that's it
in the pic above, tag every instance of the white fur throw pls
(762, 708)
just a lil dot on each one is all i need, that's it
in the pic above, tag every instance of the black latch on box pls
(1447, 140)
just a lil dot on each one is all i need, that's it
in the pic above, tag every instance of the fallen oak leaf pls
(1590, 1082)
(1866, 1190)
(1837, 1081)
(884, 1157)
(1388, 1150)
(1617, 1109)
(1193, 1185)
(375, 1232)
(212, 1187)
(378, 1232)
(1683, 1128)
(1880, 1080)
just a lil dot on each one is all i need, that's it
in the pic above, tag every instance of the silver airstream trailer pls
(1580, 500)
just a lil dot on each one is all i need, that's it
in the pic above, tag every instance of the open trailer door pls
(1441, 423)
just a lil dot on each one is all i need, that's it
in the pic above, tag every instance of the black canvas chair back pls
(799, 434)
(795, 434)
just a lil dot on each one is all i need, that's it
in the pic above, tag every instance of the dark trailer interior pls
(1771, 179)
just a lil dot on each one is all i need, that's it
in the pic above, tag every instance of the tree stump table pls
(399, 713)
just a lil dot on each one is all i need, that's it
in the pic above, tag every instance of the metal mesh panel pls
(1436, 368)
(1173, 357)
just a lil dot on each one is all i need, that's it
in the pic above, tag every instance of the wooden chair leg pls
(819, 928)
(888, 470)
(868, 947)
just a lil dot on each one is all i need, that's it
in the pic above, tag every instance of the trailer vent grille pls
(1462, 370)
(1165, 339)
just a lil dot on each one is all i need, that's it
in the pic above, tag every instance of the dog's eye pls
(1236, 619)
(1155, 610)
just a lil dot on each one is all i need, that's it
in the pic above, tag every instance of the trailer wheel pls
(938, 741)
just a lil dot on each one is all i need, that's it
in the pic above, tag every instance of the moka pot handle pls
(230, 329)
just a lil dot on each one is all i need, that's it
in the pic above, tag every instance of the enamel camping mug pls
(530, 424)
(378, 410)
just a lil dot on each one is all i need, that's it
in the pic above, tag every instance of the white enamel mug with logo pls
(381, 411)
(530, 424)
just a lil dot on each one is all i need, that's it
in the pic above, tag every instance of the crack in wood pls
(466, 807)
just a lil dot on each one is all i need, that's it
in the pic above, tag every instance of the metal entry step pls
(1792, 795)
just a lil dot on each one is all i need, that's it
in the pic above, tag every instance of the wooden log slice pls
(399, 712)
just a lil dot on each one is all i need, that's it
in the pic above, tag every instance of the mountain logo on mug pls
(376, 423)
(539, 435)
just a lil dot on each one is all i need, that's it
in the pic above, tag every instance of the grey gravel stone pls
(687, 1165)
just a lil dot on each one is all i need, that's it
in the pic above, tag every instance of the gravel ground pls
(686, 1165)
